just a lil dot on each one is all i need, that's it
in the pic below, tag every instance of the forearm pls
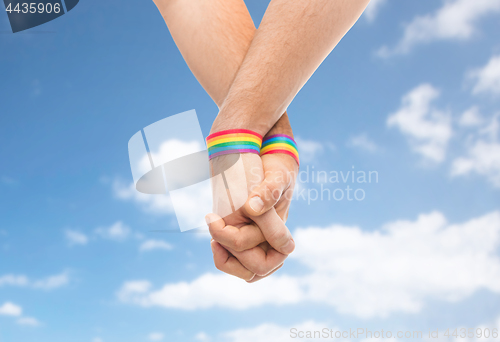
(291, 42)
(213, 36)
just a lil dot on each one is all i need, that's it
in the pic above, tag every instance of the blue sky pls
(412, 92)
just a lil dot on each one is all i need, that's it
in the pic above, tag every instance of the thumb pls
(266, 195)
(275, 232)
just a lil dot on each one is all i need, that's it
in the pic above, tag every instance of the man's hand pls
(276, 191)
(242, 243)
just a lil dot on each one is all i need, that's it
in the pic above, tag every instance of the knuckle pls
(272, 193)
(238, 244)
(219, 266)
(215, 234)
(279, 235)
(261, 270)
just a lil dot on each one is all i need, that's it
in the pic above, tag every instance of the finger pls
(268, 193)
(257, 277)
(239, 239)
(259, 261)
(283, 204)
(275, 231)
(227, 263)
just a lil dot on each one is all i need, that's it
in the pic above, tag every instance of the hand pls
(280, 172)
(235, 246)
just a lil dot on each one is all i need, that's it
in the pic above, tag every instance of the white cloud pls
(75, 237)
(52, 282)
(30, 321)
(269, 332)
(470, 118)
(150, 245)
(213, 290)
(132, 288)
(373, 9)
(202, 336)
(482, 156)
(10, 309)
(156, 204)
(13, 280)
(48, 283)
(116, 232)
(308, 149)
(97, 339)
(487, 78)
(363, 142)
(190, 204)
(172, 149)
(456, 20)
(427, 128)
(156, 336)
(398, 268)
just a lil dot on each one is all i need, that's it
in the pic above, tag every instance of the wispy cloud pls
(482, 155)
(153, 244)
(309, 149)
(427, 128)
(29, 321)
(456, 20)
(471, 118)
(52, 282)
(75, 237)
(202, 336)
(116, 232)
(487, 78)
(156, 204)
(156, 336)
(373, 9)
(48, 283)
(10, 309)
(14, 310)
(363, 142)
(13, 280)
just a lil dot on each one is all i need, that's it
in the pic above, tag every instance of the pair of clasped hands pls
(253, 241)
(253, 76)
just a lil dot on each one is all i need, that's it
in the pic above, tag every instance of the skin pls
(254, 90)
(293, 39)
(213, 36)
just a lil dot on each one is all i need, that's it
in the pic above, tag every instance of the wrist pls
(281, 127)
(243, 115)
(226, 122)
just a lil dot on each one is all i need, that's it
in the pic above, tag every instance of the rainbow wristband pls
(280, 143)
(233, 141)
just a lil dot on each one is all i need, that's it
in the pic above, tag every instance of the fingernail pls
(208, 219)
(256, 203)
(288, 247)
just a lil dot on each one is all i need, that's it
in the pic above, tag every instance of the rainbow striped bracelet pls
(233, 141)
(280, 143)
